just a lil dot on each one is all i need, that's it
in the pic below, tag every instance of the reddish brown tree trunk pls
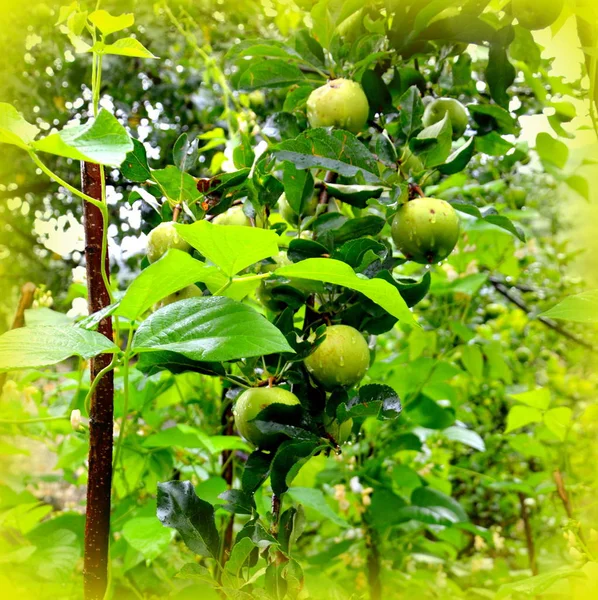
(97, 523)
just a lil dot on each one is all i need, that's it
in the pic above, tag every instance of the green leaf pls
(433, 144)
(215, 329)
(239, 556)
(148, 536)
(135, 167)
(34, 347)
(580, 185)
(103, 140)
(55, 554)
(490, 117)
(231, 248)
(273, 73)
(124, 47)
(538, 398)
(256, 470)
(333, 271)
(426, 412)
(298, 187)
(500, 73)
(289, 458)
(355, 195)
(531, 587)
(458, 159)
(430, 497)
(372, 400)
(465, 436)
(551, 151)
(174, 271)
(558, 420)
(180, 508)
(315, 499)
(580, 308)
(473, 360)
(177, 185)
(520, 416)
(108, 24)
(338, 151)
(412, 111)
(14, 129)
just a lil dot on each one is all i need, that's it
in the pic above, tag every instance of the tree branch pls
(502, 289)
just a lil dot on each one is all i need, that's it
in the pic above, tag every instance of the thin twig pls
(529, 538)
(502, 289)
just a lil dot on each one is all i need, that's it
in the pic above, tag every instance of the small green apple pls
(339, 103)
(247, 407)
(191, 291)
(425, 230)
(290, 216)
(162, 238)
(235, 216)
(533, 14)
(342, 359)
(523, 354)
(457, 113)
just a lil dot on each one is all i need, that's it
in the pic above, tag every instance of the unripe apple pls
(191, 291)
(457, 113)
(280, 260)
(340, 432)
(290, 216)
(339, 103)
(266, 297)
(533, 14)
(162, 238)
(523, 354)
(235, 216)
(518, 195)
(425, 230)
(247, 407)
(342, 359)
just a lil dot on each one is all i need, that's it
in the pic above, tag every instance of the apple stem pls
(176, 211)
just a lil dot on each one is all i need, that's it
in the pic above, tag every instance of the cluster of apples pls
(425, 230)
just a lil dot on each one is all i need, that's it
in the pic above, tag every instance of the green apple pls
(340, 432)
(162, 238)
(523, 354)
(533, 14)
(518, 195)
(457, 113)
(265, 296)
(247, 407)
(235, 216)
(280, 260)
(288, 213)
(342, 359)
(494, 309)
(425, 230)
(191, 291)
(339, 103)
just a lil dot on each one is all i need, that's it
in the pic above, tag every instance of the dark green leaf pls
(180, 508)
(135, 167)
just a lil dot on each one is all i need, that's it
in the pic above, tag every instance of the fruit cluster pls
(425, 230)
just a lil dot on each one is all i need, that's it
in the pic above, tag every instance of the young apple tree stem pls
(97, 524)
